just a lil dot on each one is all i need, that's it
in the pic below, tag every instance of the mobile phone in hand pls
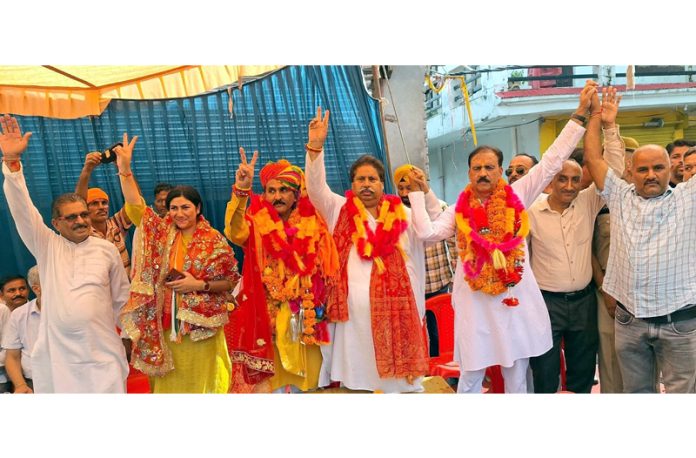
(174, 275)
(109, 155)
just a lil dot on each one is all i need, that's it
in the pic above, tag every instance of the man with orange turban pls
(112, 229)
(290, 260)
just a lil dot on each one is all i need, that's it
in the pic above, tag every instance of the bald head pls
(650, 170)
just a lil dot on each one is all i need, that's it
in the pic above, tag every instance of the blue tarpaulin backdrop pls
(195, 141)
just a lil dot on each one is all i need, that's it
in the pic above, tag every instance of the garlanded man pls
(377, 342)
(500, 315)
(290, 261)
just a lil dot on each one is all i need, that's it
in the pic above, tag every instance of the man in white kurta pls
(353, 360)
(486, 331)
(84, 286)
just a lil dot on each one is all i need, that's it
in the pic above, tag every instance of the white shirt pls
(21, 331)
(651, 269)
(561, 243)
(350, 358)
(84, 286)
(487, 332)
(4, 318)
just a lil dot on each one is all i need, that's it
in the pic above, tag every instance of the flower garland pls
(391, 223)
(490, 239)
(291, 272)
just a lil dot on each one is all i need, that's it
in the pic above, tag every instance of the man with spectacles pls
(83, 281)
(519, 166)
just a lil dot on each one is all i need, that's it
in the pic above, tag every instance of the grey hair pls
(65, 199)
(33, 276)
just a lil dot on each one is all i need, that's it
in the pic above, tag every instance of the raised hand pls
(610, 106)
(92, 160)
(586, 95)
(318, 130)
(245, 171)
(12, 142)
(124, 154)
(418, 181)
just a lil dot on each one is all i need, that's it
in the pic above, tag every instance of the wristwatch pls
(206, 285)
(582, 119)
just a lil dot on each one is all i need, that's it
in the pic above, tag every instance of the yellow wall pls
(676, 125)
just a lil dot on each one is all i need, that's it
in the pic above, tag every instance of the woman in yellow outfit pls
(180, 293)
(291, 259)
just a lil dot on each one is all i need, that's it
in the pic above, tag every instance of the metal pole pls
(377, 93)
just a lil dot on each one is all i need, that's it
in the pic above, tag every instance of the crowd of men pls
(579, 260)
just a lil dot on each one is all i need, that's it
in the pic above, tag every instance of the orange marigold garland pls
(490, 238)
(291, 271)
(391, 223)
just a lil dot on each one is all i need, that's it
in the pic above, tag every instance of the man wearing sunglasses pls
(83, 282)
(519, 166)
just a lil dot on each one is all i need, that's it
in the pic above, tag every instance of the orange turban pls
(283, 171)
(96, 193)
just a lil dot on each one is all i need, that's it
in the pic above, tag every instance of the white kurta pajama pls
(486, 331)
(350, 357)
(84, 286)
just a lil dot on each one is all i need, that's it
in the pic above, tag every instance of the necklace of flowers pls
(290, 265)
(490, 240)
(391, 223)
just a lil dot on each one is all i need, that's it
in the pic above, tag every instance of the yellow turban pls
(403, 171)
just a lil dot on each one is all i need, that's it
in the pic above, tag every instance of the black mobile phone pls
(174, 275)
(109, 155)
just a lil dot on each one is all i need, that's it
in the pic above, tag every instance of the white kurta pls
(486, 331)
(84, 286)
(350, 358)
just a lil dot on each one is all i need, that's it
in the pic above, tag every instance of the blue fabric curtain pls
(195, 141)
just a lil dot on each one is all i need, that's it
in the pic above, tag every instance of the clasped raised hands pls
(245, 172)
(418, 181)
(586, 96)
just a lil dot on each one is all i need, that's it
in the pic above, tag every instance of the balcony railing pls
(547, 76)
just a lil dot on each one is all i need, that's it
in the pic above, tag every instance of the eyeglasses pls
(73, 217)
(518, 170)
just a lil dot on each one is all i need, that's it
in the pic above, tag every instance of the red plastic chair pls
(442, 365)
(137, 382)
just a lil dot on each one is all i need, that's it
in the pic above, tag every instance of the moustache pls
(278, 202)
(367, 190)
(19, 296)
(79, 226)
(483, 179)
